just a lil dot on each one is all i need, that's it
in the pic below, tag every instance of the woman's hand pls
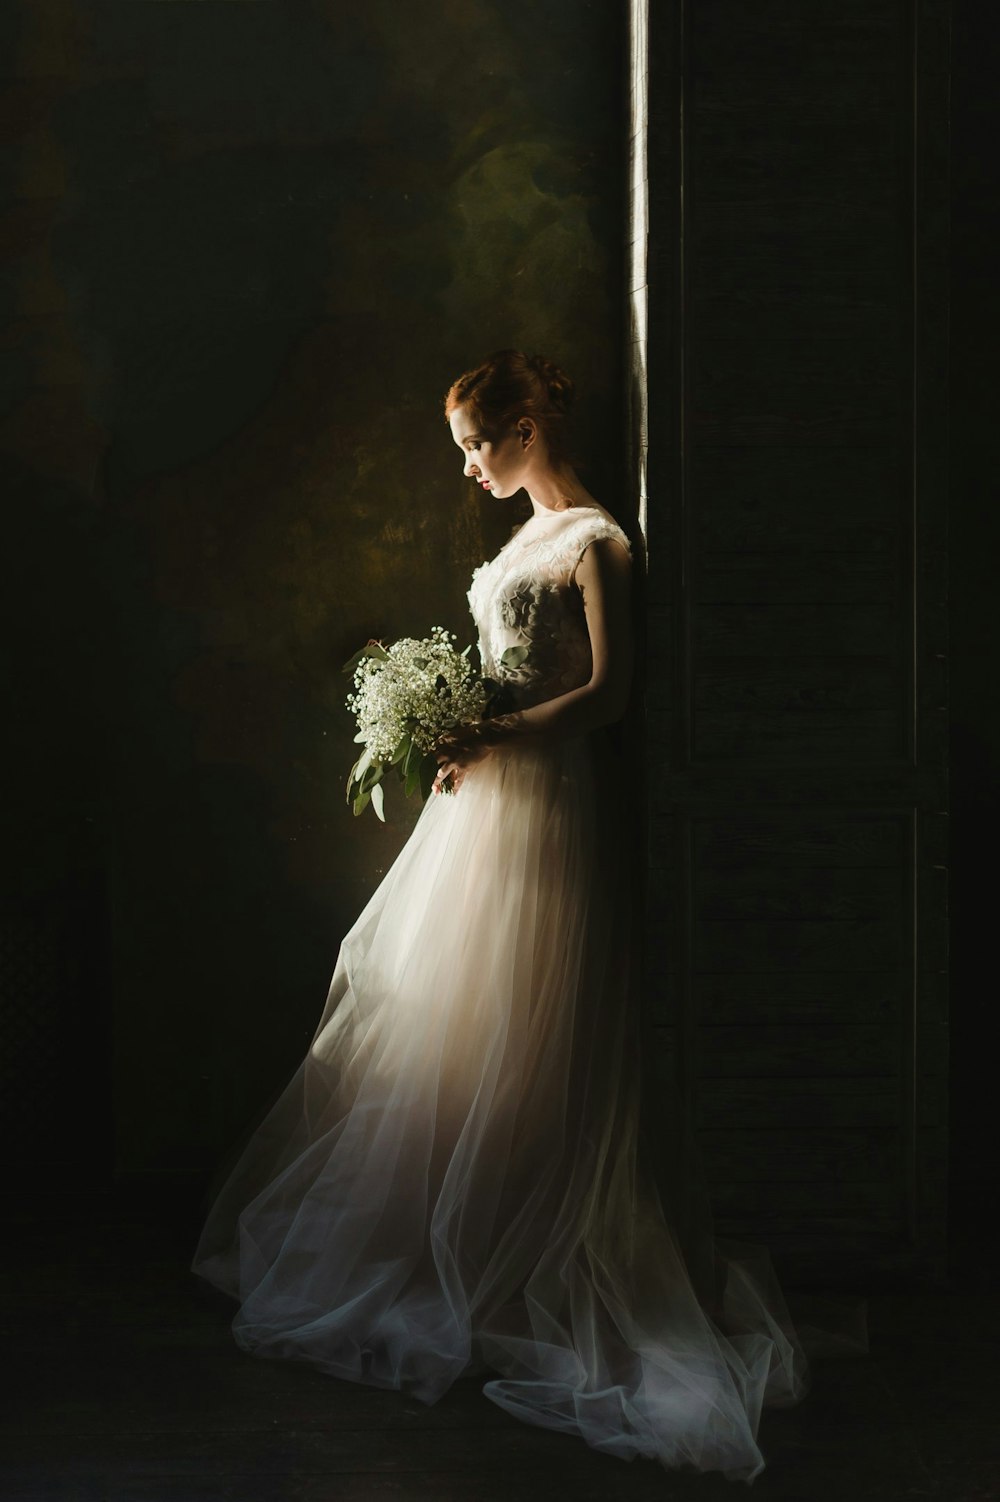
(456, 753)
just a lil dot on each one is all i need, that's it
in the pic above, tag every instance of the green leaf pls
(412, 782)
(400, 751)
(361, 803)
(377, 798)
(364, 773)
(371, 776)
(427, 773)
(513, 657)
(359, 739)
(373, 649)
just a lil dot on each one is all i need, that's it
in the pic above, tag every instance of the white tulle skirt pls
(454, 1179)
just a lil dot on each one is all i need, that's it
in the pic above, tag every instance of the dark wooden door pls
(797, 152)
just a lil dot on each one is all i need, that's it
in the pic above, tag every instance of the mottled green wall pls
(248, 247)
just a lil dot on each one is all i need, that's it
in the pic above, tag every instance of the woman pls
(453, 1180)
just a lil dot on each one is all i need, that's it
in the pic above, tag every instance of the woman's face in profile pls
(493, 464)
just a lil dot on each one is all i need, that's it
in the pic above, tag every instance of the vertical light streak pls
(637, 260)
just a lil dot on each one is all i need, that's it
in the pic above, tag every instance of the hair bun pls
(509, 385)
(557, 382)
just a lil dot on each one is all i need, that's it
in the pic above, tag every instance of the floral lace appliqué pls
(526, 596)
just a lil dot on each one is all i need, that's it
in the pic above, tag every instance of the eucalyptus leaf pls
(361, 803)
(412, 782)
(400, 751)
(359, 739)
(369, 778)
(378, 798)
(373, 649)
(427, 772)
(513, 657)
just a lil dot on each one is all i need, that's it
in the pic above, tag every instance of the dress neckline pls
(576, 512)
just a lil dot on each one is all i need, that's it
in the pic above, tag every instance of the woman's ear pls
(526, 431)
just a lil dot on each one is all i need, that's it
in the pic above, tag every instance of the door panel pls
(795, 689)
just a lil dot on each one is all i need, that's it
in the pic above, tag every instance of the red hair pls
(509, 385)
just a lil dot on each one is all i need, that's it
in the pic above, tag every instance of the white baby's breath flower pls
(406, 697)
(421, 688)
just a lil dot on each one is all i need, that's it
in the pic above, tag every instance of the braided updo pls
(510, 384)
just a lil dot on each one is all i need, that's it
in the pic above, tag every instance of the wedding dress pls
(452, 1181)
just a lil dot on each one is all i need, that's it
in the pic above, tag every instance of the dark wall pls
(797, 623)
(974, 605)
(248, 248)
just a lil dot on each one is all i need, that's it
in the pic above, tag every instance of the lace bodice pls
(526, 597)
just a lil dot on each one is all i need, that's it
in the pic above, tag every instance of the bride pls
(454, 1180)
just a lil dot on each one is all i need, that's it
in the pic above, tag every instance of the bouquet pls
(406, 698)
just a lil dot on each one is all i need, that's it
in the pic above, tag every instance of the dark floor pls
(126, 1386)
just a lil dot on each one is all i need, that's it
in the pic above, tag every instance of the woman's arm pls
(603, 576)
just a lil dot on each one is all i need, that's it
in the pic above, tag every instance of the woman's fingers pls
(445, 770)
(453, 759)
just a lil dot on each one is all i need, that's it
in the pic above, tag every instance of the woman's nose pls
(470, 466)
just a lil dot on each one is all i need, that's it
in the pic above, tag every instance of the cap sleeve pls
(590, 529)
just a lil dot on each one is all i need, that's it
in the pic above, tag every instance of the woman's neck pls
(556, 490)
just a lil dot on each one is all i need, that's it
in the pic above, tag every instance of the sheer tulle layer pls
(452, 1180)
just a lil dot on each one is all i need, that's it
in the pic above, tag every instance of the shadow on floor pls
(127, 1387)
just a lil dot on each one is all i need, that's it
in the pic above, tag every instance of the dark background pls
(246, 249)
(974, 616)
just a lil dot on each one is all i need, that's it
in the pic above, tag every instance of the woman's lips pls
(486, 484)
